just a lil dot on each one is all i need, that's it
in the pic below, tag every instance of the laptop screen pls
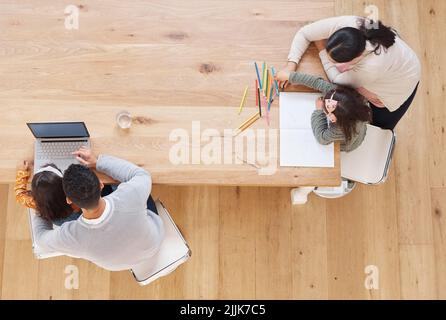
(59, 130)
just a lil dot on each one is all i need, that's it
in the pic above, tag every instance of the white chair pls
(173, 252)
(368, 164)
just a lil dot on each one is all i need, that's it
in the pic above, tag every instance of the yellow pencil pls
(247, 123)
(248, 120)
(243, 100)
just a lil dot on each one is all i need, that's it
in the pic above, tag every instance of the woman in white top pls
(367, 56)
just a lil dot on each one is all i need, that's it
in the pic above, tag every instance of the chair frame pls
(148, 280)
(388, 163)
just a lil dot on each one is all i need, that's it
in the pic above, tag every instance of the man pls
(117, 231)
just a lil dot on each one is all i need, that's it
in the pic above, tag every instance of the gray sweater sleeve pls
(54, 240)
(310, 81)
(136, 183)
(324, 133)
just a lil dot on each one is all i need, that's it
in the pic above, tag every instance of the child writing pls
(341, 114)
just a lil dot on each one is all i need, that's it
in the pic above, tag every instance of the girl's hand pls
(282, 76)
(25, 165)
(320, 103)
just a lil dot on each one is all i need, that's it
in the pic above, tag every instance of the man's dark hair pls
(81, 186)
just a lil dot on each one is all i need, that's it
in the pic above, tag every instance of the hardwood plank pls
(17, 222)
(51, 279)
(346, 243)
(20, 271)
(20, 268)
(273, 250)
(203, 218)
(439, 221)
(415, 222)
(3, 212)
(363, 231)
(237, 242)
(94, 282)
(171, 10)
(382, 247)
(309, 250)
(434, 79)
(418, 279)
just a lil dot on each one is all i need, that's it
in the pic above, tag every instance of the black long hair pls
(47, 192)
(352, 107)
(349, 43)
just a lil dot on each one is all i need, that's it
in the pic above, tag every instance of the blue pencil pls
(270, 98)
(275, 82)
(258, 75)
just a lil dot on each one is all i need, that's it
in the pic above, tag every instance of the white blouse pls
(391, 75)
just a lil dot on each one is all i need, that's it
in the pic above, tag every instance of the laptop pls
(55, 142)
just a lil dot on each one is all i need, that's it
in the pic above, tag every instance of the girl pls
(368, 56)
(341, 114)
(46, 195)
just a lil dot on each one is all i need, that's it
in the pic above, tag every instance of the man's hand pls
(321, 44)
(86, 157)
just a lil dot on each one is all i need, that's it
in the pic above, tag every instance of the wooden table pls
(167, 63)
(147, 143)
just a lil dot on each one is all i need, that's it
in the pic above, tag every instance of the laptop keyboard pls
(58, 150)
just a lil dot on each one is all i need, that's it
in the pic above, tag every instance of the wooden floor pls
(247, 242)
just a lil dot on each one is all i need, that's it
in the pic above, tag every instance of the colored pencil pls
(266, 86)
(254, 119)
(257, 97)
(264, 77)
(267, 90)
(258, 75)
(270, 100)
(260, 104)
(275, 82)
(247, 123)
(243, 100)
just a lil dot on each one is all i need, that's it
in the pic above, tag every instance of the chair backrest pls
(370, 162)
(173, 252)
(39, 253)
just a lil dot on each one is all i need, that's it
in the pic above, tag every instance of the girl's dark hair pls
(349, 43)
(48, 194)
(351, 108)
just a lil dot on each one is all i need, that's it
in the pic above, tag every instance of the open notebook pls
(298, 147)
